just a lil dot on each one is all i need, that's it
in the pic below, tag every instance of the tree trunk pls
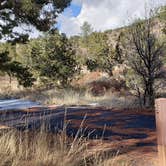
(145, 96)
(150, 94)
(139, 97)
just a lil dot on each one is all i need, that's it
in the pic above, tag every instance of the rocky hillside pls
(115, 39)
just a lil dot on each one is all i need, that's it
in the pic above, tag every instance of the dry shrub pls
(101, 86)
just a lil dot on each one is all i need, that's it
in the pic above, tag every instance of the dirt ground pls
(128, 134)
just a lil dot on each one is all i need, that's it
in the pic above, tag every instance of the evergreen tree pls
(55, 60)
(86, 30)
(40, 14)
(13, 68)
(99, 57)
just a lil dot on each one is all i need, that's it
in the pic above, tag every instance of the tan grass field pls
(43, 149)
(54, 96)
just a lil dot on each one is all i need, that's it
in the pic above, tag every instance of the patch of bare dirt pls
(126, 134)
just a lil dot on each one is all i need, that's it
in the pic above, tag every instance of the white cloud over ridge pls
(105, 14)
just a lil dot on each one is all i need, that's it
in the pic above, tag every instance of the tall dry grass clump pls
(40, 149)
(72, 97)
(44, 149)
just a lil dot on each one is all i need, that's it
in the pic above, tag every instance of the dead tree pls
(146, 57)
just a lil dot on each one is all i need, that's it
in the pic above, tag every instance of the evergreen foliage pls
(13, 68)
(40, 14)
(99, 57)
(54, 58)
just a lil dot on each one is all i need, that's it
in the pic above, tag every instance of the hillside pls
(116, 37)
(100, 60)
(96, 99)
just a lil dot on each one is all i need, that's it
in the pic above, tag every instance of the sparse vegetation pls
(120, 69)
(42, 148)
(146, 60)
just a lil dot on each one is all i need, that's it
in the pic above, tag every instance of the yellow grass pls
(43, 149)
(70, 97)
(18, 150)
(64, 96)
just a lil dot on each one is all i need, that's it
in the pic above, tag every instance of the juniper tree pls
(54, 58)
(39, 14)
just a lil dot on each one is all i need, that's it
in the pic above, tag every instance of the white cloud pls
(69, 25)
(27, 29)
(105, 14)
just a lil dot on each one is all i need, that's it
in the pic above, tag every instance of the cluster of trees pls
(54, 57)
(47, 59)
(98, 52)
(101, 55)
(39, 14)
(142, 51)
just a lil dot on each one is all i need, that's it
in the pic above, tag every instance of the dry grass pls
(43, 149)
(38, 150)
(72, 97)
(65, 96)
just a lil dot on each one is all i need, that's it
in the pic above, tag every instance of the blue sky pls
(72, 11)
(103, 14)
(75, 8)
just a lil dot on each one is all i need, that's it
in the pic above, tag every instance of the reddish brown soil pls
(130, 133)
